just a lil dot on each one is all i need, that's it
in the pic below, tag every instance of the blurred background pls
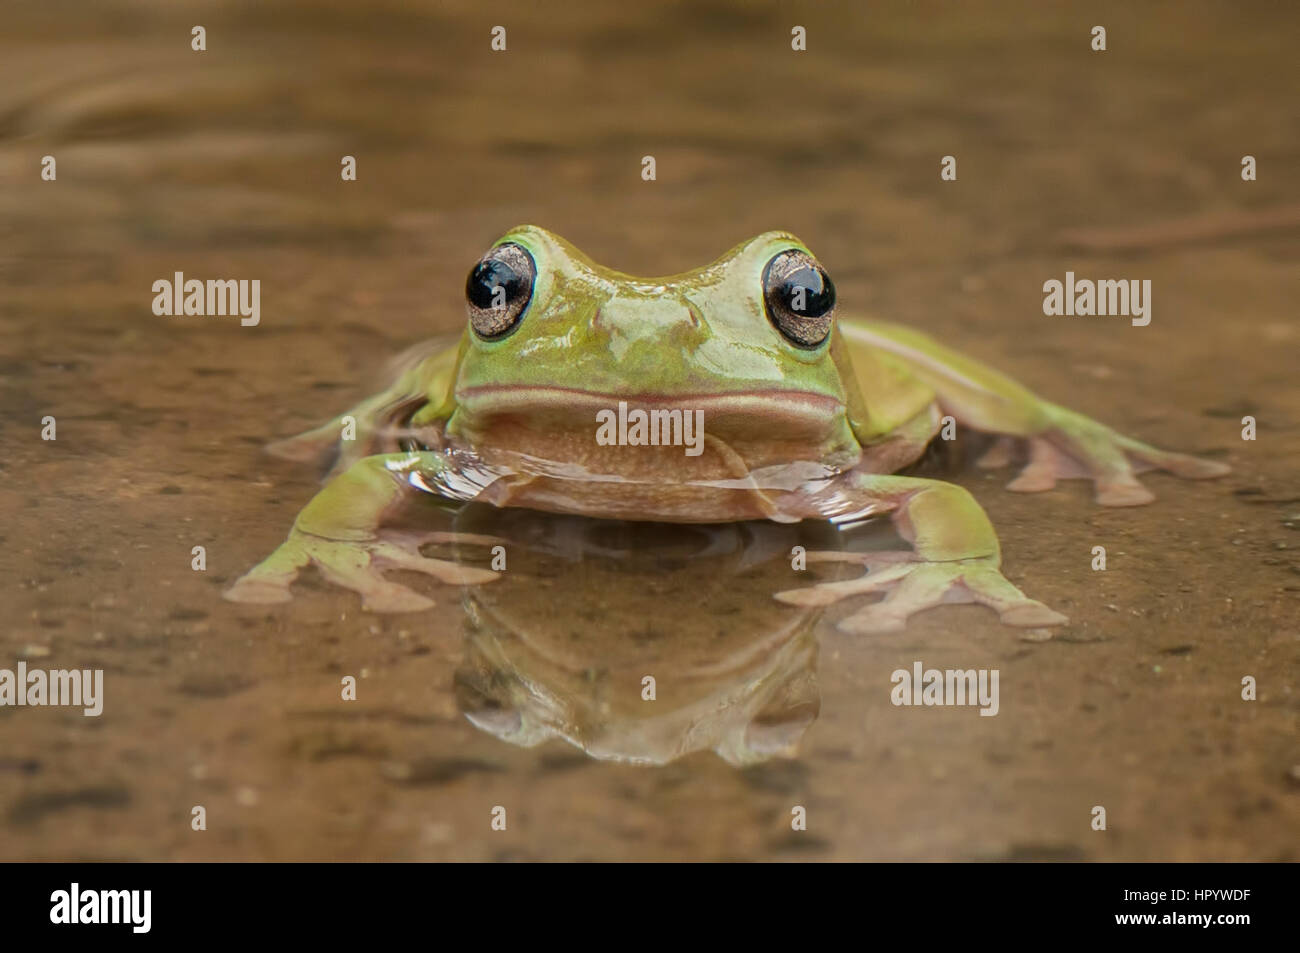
(225, 164)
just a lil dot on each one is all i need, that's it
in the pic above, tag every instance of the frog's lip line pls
(505, 396)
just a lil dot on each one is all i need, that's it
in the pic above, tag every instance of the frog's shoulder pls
(396, 418)
(883, 390)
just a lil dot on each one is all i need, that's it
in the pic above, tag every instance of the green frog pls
(574, 389)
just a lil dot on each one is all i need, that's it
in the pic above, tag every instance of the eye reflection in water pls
(642, 642)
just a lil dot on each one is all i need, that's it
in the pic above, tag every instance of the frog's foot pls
(912, 586)
(358, 565)
(1077, 446)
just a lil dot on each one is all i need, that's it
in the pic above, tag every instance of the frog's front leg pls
(339, 531)
(955, 555)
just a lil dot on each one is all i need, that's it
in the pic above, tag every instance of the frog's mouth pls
(706, 437)
(806, 409)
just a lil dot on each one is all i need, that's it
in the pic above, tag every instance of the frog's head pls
(553, 337)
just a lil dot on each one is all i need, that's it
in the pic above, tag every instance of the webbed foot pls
(1077, 446)
(912, 585)
(359, 565)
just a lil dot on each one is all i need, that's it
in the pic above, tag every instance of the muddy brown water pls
(226, 164)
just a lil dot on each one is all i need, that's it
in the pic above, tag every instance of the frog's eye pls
(799, 297)
(498, 290)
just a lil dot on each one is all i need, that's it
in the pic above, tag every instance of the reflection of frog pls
(805, 416)
(567, 647)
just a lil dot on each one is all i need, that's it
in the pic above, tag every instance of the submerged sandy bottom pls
(225, 164)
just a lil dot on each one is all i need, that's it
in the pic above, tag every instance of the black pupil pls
(818, 292)
(489, 275)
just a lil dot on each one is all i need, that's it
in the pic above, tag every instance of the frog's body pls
(803, 417)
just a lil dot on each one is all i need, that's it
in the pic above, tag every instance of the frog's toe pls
(1031, 614)
(808, 598)
(401, 550)
(912, 587)
(922, 587)
(358, 565)
(1105, 459)
(1194, 468)
(1085, 448)
(1001, 454)
(1179, 464)
(827, 593)
(1122, 492)
(399, 557)
(989, 587)
(1046, 464)
(390, 597)
(875, 619)
(358, 569)
(1117, 485)
(1033, 480)
(258, 591)
(414, 539)
(268, 582)
(928, 585)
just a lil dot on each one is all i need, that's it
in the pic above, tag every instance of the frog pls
(806, 413)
